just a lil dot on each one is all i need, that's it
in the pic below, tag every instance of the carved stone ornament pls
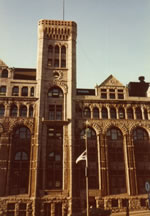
(21, 122)
(58, 75)
(60, 84)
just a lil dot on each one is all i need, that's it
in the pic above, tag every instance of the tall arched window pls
(142, 157)
(2, 110)
(121, 113)
(20, 161)
(138, 113)
(54, 162)
(24, 91)
(55, 92)
(15, 91)
(113, 113)
(63, 50)
(86, 113)
(92, 158)
(31, 111)
(13, 110)
(5, 73)
(95, 113)
(130, 113)
(23, 111)
(56, 49)
(104, 113)
(116, 163)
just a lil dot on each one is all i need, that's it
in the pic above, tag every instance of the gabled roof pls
(2, 64)
(111, 81)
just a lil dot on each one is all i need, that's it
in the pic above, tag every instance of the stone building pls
(43, 120)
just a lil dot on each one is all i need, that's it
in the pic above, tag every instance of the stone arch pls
(21, 122)
(59, 84)
(115, 124)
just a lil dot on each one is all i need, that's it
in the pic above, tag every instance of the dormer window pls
(5, 73)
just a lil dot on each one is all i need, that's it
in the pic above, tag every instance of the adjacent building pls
(44, 118)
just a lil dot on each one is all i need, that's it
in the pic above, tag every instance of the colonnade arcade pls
(119, 163)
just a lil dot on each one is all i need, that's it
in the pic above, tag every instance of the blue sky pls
(113, 36)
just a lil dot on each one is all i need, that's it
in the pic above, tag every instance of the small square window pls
(120, 96)
(103, 95)
(112, 96)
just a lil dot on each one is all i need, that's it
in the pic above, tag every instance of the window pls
(15, 91)
(50, 62)
(121, 113)
(31, 111)
(103, 93)
(142, 157)
(54, 158)
(95, 113)
(58, 209)
(11, 209)
(145, 114)
(113, 113)
(55, 92)
(23, 111)
(92, 158)
(63, 50)
(86, 113)
(104, 113)
(24, 91)
(2, 90)
(130, 113)
(22, 209)
(55, 112)
(2, 110)
(5, 73)
(138, 113)
(112, 93)
(32, 92)
(56, 63)
(47, 209)
(20, 161)
(56, 49)
(117, 180)
(50, 49)
(13, 110)
(63, 63)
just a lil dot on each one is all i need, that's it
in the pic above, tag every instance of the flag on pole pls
(83, 156)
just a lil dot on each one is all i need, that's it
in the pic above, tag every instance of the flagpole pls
(86, 174)
(63, 9)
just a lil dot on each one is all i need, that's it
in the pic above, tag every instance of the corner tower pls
(56, 89)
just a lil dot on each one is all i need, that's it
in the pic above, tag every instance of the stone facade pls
(43, 129)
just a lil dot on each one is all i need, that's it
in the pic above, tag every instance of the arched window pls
(130, 113)
(95, 113)
(145, 114)
(121, 113)
(13, 110)
(15, 91)
(32, 92)
(86, 113)
(63, 50)
(104, 113)
(142, 157)
(116, 162)
(20, 161)
(55, 92)
(2, 110)
(24, 91)
(2, 90)
(88, 135)
(54, 162)
(5, 73)
(23, 111)
(138, 113)
(31, 111)
(113, 113)
(56, 49)
(50, 49)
